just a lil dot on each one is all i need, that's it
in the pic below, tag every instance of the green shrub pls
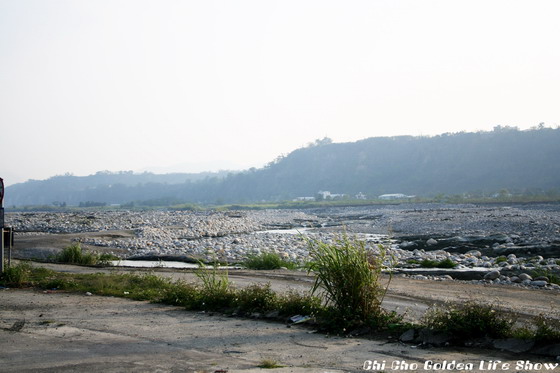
(16, 275)
(70, 254)
(106, 258)
(469, 320)
(446, 263)
(350, 279)
(74, 254)
(522, 332)
(294, 303)
(428, 263)
(182, 294)
(267, 261)
(255, 298)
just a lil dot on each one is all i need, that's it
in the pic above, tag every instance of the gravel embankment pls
(510, 242)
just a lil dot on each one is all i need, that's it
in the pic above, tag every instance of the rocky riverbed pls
(514, 244)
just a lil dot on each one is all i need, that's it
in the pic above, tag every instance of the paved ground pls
(58, 332)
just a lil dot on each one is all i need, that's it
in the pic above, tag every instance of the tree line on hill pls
(480, 163)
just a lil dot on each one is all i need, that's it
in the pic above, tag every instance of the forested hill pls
(482, 162)
(476, 163)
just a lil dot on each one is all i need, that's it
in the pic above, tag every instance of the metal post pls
(2, 248)
(2, 225)
(10, 245)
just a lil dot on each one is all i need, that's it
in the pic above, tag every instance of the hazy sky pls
(205, 85)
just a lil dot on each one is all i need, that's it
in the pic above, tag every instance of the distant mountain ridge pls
(103, 186)
(479, 163)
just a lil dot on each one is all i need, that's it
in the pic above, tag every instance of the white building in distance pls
(394, 196)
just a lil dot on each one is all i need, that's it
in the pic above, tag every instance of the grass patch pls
(267, 261)
(269, 364)
(444, 263)
(469, 320)
(553, 278)
(501, 259)
(213, 292)
(145, 286)
(135, 286)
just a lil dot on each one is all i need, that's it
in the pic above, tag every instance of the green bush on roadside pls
(548, 329)
(256, 298)
(182, 294)
(469, 320)
(293, 303)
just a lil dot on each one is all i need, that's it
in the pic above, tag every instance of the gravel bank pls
(509, 242)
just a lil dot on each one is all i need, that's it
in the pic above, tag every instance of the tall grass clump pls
(348, 277)
(216, 292)
(74, 254)
(469, 320)
(267, 260)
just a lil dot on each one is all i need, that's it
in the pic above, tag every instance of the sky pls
(191, 86)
